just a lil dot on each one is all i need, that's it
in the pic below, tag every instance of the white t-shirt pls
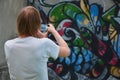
(27, 57)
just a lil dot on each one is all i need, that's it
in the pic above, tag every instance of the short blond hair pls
(28, 21)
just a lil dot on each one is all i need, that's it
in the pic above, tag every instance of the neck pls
(23, 36)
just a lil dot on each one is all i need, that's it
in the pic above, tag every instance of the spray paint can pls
(44, 27)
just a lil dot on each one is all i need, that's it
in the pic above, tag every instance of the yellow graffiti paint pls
(115, 71)
(85, 7)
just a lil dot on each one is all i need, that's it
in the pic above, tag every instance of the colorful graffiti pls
(93, 37)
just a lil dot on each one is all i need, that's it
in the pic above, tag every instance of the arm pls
(42, 35)
(64, 49)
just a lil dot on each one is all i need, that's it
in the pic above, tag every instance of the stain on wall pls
(92, 30)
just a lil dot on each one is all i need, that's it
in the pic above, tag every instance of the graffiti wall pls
(92, 30)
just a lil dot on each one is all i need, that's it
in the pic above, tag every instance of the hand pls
(42, 35)
(51, 28)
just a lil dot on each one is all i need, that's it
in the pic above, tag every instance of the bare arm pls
(64, 49)
(42, 35)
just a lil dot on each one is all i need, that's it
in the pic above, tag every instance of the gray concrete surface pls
(8, 12)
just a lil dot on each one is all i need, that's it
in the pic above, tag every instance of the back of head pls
(28, 21)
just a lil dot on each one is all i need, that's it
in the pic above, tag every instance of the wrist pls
(54, 32)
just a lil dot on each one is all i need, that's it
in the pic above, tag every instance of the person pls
(27, 55)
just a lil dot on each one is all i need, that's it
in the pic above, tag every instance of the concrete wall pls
(8, 13)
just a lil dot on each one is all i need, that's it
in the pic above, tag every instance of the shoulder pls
(8, 45)
(48, 41)
(9, 42)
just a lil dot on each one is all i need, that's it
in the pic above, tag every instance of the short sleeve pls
(6, 49)
(52, 49)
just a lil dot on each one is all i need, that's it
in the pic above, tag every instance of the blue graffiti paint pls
(94, 11)
(73, 57)
(119, 46)
(67, 61)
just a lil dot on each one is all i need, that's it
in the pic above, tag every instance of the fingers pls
(51, 28)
